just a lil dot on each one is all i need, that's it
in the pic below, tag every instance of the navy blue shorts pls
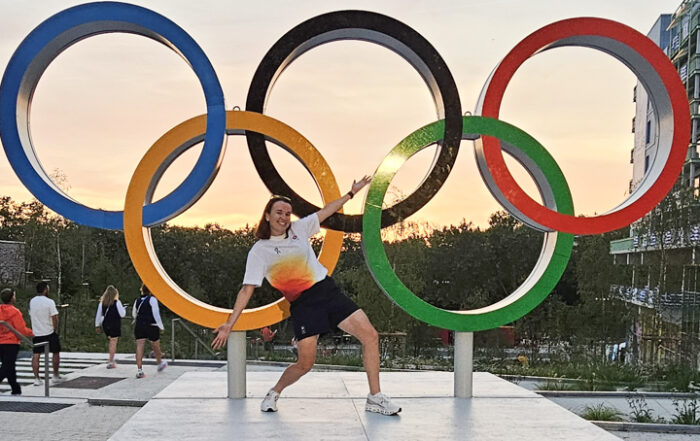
(112, 330)
(146, 331)
(320, 308)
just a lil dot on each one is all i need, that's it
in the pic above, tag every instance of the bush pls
(601, 412)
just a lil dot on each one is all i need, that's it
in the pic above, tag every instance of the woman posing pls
(284, 256)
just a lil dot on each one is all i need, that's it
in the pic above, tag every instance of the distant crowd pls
(43, 315)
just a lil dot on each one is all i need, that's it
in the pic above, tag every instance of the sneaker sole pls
(269, 409)
(378, 409)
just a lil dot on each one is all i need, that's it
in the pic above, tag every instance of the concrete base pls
(330, 405)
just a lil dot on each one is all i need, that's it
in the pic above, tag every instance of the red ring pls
(539, 40)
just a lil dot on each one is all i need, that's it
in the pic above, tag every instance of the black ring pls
(387, 32)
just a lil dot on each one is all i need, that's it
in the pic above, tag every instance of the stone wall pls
(11, 263)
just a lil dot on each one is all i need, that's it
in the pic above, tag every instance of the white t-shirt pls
(41, 309)
(288, 263)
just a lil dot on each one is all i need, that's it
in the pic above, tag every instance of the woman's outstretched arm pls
(224, 330)
(335, 205)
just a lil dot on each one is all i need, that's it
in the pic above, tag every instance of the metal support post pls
(236, 354)
(464, 355)
(172, 340)
(46, 370)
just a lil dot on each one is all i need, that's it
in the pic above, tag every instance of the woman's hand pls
(222, 333)
(359, 185)
(97, 329)
(335, 205)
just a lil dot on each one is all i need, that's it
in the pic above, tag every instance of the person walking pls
(108, 318)
(283, 256)
(9, 342)
(44, 317)
(148, 326)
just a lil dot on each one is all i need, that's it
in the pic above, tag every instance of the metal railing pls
(197, 341)
(45, 344)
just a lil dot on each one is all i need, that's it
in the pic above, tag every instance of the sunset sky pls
(104, 101)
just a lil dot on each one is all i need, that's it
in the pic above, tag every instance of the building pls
(660, 254)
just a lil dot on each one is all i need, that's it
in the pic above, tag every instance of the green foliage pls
(640, 411)
(601, 412)
(686, 412)
(455, 267)
(679, 378)
(557, 385)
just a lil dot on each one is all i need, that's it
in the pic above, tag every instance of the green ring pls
(558, 245)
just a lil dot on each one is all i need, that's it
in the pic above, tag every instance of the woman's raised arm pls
(333, 206)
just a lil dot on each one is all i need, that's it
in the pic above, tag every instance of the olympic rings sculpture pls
(555, 217)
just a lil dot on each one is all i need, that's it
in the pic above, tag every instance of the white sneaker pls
(58, 379)
(381, 403)
(163, 364)
(112, 365)
(269, 404)
(38, 382)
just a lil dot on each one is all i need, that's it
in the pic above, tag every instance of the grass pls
(601, 412)
(557, 385)
(686, 412)
(595, 375)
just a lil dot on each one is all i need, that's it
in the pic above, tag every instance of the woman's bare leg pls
(140, 343)
(112, 348)
(359, 326)
(305, 361)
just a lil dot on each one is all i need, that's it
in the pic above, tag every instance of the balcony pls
(622, 246)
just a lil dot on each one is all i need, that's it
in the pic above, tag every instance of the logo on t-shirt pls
(277, 250)
(294, 237)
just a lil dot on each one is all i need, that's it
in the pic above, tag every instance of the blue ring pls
(59, 32)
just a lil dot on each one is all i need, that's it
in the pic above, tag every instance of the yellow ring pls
(138, 238)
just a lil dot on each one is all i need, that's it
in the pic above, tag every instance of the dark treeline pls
(455, 267)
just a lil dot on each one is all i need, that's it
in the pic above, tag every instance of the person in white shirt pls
(284, 257)
(108, 318)
(148, 325)
(44, 317)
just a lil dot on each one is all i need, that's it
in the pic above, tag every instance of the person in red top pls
(268, 335)
(9, 342)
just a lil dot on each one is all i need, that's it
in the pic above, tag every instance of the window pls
(648, 133)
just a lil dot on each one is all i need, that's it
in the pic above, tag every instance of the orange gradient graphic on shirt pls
(291, 275)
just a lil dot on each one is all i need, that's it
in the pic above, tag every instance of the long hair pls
(263, 229)
(110, 296)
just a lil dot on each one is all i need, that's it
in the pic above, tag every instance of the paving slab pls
(330, 405)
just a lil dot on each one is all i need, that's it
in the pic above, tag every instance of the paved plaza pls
(330, 406)
(188, 401)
